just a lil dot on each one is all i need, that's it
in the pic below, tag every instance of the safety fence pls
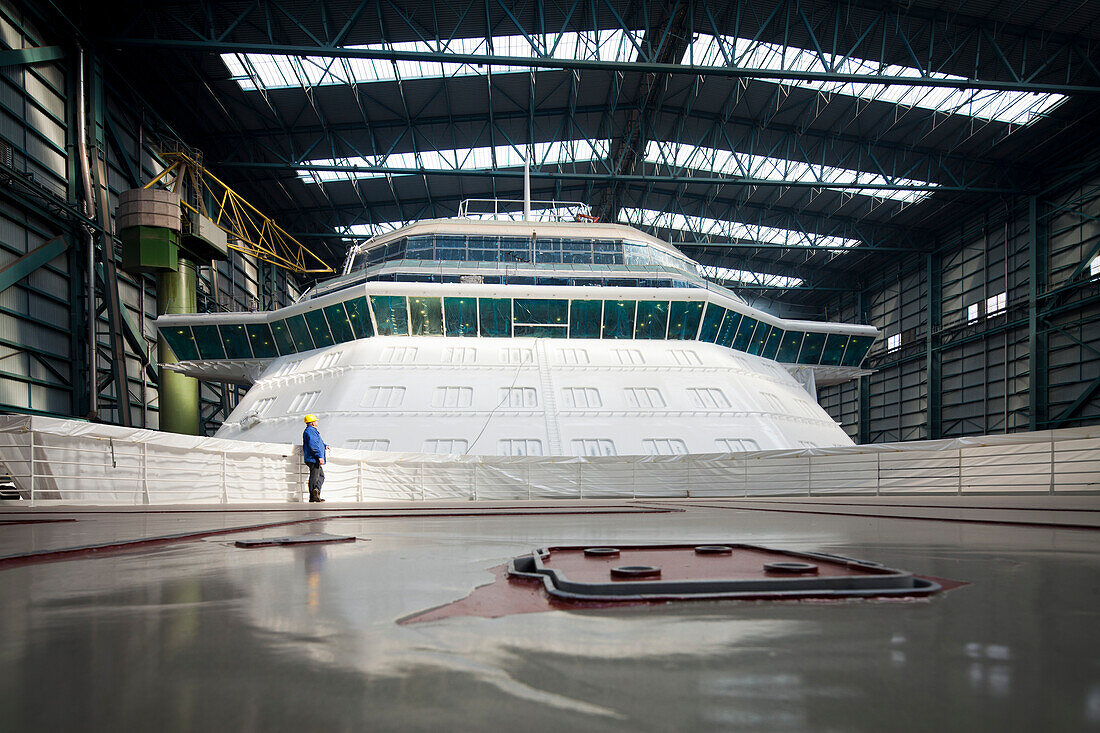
(55, 460)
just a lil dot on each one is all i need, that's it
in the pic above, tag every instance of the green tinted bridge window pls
(788, 349)
(299, 331)
(318, 329)
(461, 316)
(426, 316)
(235, 340)
(712, 321)
(834, 349)
(683, 319)
(728, 329)
(811, 348)
(771, 347)
(280, 331)
(744, 333)
(208, 341)
(390, 314)
(585, 319)
(759, 338)
(263, 344)
(495, 317)
(541, 311)
(338, 323)
(652, 320)
(618, 319)
(857, 349)
(182, 342)
(359, 317)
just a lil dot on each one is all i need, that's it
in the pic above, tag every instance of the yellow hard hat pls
(311, 418)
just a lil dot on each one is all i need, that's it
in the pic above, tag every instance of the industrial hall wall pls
(999, 328)
(43, 326)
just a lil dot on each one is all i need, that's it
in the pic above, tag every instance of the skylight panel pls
(704, 226)
(748, 277)
(254, 71)
(725, 162)
(370, 230)
(557, 152)
(1012, 107)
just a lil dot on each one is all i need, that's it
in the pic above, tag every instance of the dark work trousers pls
(316, 478)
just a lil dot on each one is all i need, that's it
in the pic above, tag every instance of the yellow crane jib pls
(248, 229)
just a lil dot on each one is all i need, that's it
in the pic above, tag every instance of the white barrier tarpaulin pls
(72, 461)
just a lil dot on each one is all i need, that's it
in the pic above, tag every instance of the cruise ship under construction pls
(525, 338)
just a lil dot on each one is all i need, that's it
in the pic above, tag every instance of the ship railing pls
(506, 210)
(69, 462)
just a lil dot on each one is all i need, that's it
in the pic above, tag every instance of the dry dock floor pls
(150, 618)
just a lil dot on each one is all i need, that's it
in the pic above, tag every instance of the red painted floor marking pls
(506, 596)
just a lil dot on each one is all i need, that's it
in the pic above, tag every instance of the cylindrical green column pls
(179, 395)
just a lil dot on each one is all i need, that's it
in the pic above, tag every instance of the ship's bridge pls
(552, 253)
(520, 242)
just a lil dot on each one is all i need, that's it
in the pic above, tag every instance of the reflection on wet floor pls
(203, 635)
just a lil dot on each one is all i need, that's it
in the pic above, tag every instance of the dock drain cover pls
(711, 571)
(299, 539)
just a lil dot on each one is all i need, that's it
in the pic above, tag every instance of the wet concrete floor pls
(197, 634)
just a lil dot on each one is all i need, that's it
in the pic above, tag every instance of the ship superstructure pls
(524, 338)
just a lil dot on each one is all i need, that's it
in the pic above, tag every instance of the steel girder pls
(749, 134)
(978, 52)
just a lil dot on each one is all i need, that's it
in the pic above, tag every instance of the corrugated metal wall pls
(41, 317)
(36, 345)
(999, 329)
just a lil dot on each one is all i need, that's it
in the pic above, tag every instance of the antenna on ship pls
(527, 184)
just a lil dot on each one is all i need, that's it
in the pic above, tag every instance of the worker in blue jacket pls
(313, 453)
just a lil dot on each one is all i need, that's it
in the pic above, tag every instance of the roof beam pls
(582, 65)
(935, 155)
(872, 233)
(640, 178)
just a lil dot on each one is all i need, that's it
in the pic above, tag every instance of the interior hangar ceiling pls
(805, 139)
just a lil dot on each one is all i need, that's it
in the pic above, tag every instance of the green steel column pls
(179, 395)
(1038, 355)
(863, 393)
(933, 377)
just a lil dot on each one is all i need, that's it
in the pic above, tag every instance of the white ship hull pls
(526, 396)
